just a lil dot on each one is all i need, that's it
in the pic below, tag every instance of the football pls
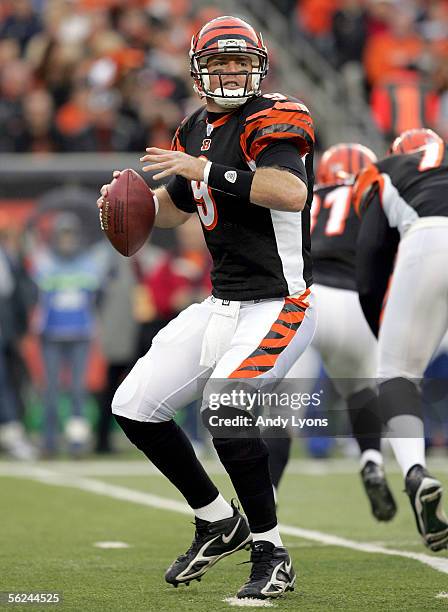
(127, 216)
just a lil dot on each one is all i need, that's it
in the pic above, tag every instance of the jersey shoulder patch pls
(271, 117)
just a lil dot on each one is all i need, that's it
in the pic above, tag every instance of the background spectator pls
(12, 312)
(68, 279)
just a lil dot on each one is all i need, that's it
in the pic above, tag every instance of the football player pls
(343, 339)
(236, 162)
(403, 204)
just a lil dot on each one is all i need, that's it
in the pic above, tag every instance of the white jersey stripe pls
(288, 235)
(398, 212)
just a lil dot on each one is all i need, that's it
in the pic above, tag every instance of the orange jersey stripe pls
(175, 143)
(365, 180)
(261, 144)
(296, 107)
(273, 117)
(262, 113)
(263, 141)
(221, 121)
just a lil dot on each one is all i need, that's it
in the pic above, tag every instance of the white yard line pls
(90, 485)
(116, 467)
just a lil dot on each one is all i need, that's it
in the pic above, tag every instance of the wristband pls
(156, 202)
(229, 180)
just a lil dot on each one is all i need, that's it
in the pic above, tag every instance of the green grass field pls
(48, 532)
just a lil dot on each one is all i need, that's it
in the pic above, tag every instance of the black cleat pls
(425, 495)
(272, 572)
(212, 541)
(381, 500)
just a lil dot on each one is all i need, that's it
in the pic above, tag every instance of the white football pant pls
(216, 339)
(343, 340)
(416, 314)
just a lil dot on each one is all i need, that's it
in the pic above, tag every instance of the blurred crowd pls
(95, 75)
(392, 52)
(70, 309)
(104, 75)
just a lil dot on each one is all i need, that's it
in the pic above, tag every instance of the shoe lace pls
(199, 533)
(261, 564)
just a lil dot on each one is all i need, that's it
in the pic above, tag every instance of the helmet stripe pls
(214, 35)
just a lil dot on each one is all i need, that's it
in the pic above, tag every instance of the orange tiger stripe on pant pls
(281, 333)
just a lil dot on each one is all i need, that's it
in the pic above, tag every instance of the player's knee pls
(397, 397)
(389, 369)
(128, 394)
(146, 435)
(134, 401)
(241, 450)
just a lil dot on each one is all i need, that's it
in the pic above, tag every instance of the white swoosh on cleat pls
(226, 538)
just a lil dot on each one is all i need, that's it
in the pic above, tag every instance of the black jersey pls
(334, 229)
(411, 185)
(257, 252)
(391, 196)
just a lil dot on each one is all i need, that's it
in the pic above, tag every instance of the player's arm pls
(278, 189)
(280, 181)
(376, 248)
(168, 215)
(271, 187)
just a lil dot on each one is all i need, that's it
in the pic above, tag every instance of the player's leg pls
(302, 375)
(349, 354)
(415, 320)
(269, 338)
(166, 379)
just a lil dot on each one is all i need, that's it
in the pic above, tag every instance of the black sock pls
(167, 446)
(278, 457)
(246, 460)
(365, 419)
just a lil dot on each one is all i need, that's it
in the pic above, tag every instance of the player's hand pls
(105, 188)
(173, 162)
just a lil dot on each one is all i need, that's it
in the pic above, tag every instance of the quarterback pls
(243, 163)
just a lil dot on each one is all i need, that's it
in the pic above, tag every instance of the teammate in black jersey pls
(403, 203)
(238, 163)
(343, 339)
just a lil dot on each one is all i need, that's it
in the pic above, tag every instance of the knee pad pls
(146, 435)
(397, 397)
(236, 450)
